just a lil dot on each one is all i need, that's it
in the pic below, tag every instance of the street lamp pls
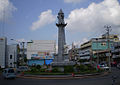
(97, 52)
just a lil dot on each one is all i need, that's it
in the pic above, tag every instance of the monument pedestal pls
(64, 63)
(61, 65)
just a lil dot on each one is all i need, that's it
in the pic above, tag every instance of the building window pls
(115, 37)
(111, 44)
(10, 56)
(10, 64)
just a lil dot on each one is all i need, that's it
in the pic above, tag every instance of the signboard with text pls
(42, 55)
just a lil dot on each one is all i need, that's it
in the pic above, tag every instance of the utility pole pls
(108, 40)
(22, 62)
(14, 58)
(97, 52)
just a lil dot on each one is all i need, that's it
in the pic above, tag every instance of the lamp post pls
(23, 44)
(14, 58)
(97, 52)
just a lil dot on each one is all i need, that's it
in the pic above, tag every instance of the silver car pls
(23, 68)
(104, 66)
(118, 65)
(9, 73)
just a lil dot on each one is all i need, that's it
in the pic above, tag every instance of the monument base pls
(61, 65)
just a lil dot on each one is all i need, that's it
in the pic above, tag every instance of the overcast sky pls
(36, 19)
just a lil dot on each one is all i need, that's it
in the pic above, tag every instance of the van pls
(9, 73)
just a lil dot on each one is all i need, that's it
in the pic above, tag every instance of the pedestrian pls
(98, 67)
(73, 74)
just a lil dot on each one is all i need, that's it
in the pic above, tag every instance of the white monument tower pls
(61, 36)
(59, 61)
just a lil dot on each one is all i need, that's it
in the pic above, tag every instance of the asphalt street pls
(103, 80)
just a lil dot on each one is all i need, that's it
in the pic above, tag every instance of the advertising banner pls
(42, 55)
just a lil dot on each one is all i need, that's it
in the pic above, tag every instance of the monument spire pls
(61, 35)
(60, 60)
(60, 17)
(60, 11)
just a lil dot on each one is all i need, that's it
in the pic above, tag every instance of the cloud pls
(84, 40)
(94, 17)
(22, 40)
(6, 9)
(45, 18)
(78, 43)
(73, 1)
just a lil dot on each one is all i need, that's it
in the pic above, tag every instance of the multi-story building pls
(112, 37)
(3, 48)
(85, 50)
(97, 48)
(73, 54)
(22, 56)
(41, 51)
(100, 49)
(12, 57)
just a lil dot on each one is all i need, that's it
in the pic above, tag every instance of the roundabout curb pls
(63, 77)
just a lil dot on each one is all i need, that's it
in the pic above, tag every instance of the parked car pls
(104, 66)
(114, 64)
(9, 73)
(23, 68)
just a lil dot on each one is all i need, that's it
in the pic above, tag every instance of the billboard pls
(42, 55)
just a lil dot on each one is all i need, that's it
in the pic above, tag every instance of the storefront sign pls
(36, 56)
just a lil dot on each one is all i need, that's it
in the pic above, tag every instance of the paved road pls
(106, 80)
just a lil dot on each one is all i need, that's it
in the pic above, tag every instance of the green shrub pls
(68, 69)
(38, 67)
(55, 69)
(42, 70)
(33, 69)
(82, 68)
(90, 67)
(85, 68)
(77, 67)
(101, 70)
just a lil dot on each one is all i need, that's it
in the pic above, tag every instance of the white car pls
(9, 73)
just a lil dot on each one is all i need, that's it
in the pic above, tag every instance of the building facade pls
(116, 52)
(85, 50)
(3, 48)
(12, 57)
(41, 52)
(100, 49)
(96, 49)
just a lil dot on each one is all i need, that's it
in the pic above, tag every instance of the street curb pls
(63, 77)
